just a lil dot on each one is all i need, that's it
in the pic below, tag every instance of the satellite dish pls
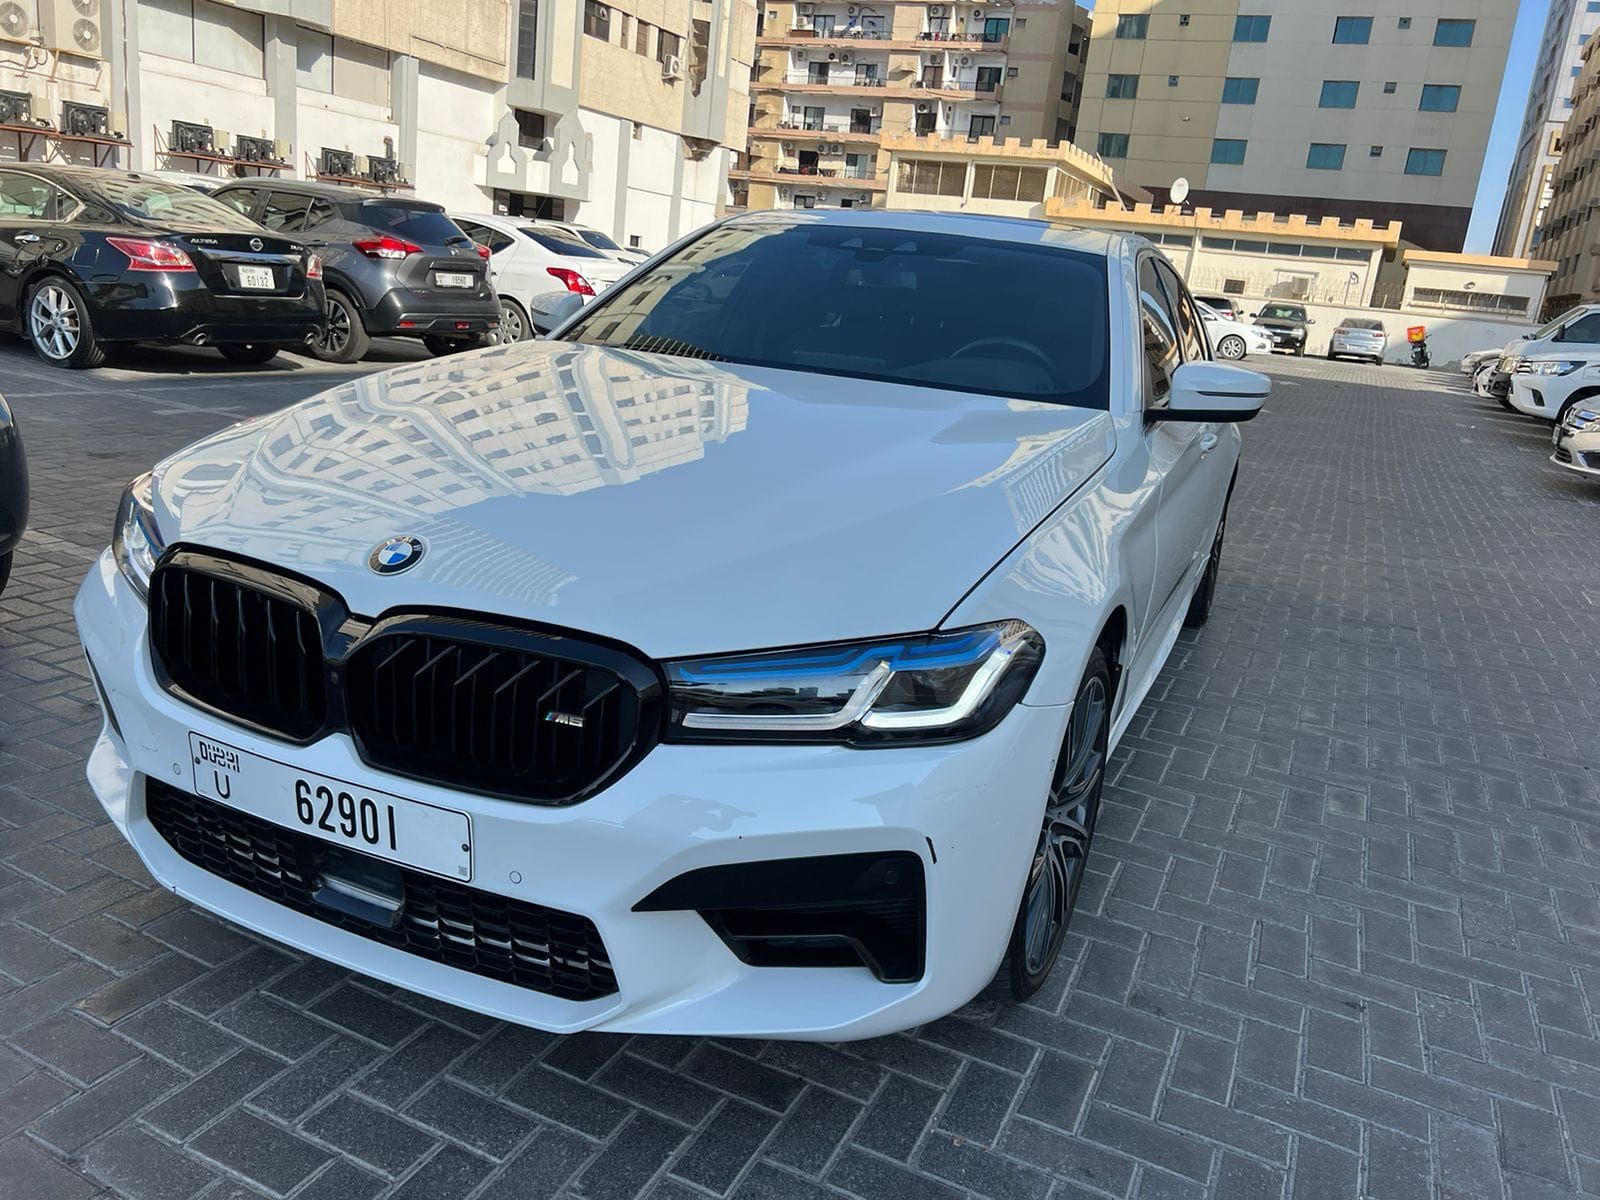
(1179, 190)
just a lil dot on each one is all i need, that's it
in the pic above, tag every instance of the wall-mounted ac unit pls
(799, 56)
(16, 21)
(672, 67)
(832, 56)
(336, 162)
(788, 147)
(85, 120)
(381, 169)
(16, 108)
(936, 10)
(933, 60)
(253, 149)
(836, 148)
(844, 58)
(922, 108)
(851, 10)
(966, 60)
(189, 137)
(71, 26)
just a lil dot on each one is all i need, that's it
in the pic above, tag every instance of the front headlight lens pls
(1552, 367)
(136, 543)
(923, 687)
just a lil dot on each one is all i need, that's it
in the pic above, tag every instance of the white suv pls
(1547, 385)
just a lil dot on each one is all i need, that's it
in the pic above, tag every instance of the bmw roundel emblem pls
(396, 554)
(256, 243)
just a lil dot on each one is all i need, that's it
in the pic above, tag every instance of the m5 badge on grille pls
(437, 840)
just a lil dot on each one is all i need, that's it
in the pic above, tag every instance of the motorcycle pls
(1420, 358)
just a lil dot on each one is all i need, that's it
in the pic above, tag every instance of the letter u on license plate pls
(408, 832)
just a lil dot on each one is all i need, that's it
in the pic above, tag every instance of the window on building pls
(805, 201)
(1238, 90)
(1352, 31)
(1440, 97)
(1133, 25)
(1486, 301)
(530, 128)
(1593, 6)
(1122, 87)
(1339, 93)
(1404, 22)
(988, 79)
(1251, 29)
(1112, 145)
(1389, 88)
(668, 45)
(996, 29)
(641, 38)
(1183, 20)
(930, 177)
(1228, 151)
(1325, 156)
(980, 127)
(216, 35)
(1425, 162)
(597, 20)
(1008, 183)
(1453, 31)
(1374, 151)
(527, 38)
(1172, 81)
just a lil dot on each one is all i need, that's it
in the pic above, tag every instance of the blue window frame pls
(1112, 145)
(1251, 29)
(1440, 97)
(1453, 31)
(1228, 151)
(1339, 93)
(1237, 89)
(1425, 162)
(1352, 31)
(1122, 87)
(1325, 156)
(1133, 26)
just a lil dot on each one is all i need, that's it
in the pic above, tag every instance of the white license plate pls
(454, 279)
(436, 840)
(256, 277)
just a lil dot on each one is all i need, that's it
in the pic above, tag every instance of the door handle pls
(26, 237)
(1208, 442)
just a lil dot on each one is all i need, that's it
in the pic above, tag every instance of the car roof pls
(1022, 230)
(309, 187)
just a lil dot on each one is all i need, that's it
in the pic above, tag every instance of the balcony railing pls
(860, 173)
(863, 81)
(803, 32)
(839, 127)
(964, 39)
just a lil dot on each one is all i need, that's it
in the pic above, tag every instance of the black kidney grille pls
(492, 717)
(541, 949)
(242, 651)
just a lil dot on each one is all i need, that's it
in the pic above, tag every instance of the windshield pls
(1362, 323)
(1547, 330)
(560, 242)
(599, 240)
(172, 203)
(1283, 312)
(872, 302)
(427, 226)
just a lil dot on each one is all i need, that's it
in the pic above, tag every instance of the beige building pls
(834, 81)
(1484, 283)
(993, 176)
(1291, 106)
(1570, 232)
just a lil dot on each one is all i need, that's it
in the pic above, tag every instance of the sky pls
(1507, 124)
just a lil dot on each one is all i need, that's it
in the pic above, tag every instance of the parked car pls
(1548, 386)
(1359, 337)
(193, 180)
(1224, 306)
(95, 257)
(1233, 339)
(528, 262)
(13, 491)
(1577, 328)
(1286, 323)
(1492, 380)
(395, 267)
(604, 243)
(552, 776)
(1471, 362)
(1576, 440)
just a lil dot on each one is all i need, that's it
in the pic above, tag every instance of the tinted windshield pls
(427, 226)
(559, 242)
(599, 240)
(1020, 319)
(1547, 330)
(172, 203)
(1283, 312)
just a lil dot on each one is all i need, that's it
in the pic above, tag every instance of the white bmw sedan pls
(743, 661)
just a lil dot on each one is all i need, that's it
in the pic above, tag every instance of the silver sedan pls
(1359, 337)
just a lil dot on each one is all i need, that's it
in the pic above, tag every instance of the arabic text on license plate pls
(436, 840)
(454, 279)
(255, 277)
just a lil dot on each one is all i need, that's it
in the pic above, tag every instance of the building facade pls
(621, 120)
(1567, 30)
(834, 80)
(1569, 231)
(1291, 106)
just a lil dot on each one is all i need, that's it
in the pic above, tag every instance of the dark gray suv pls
(393, 267)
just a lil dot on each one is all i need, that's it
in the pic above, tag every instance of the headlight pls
(1552, 367)
(926, 687)
(136, 542)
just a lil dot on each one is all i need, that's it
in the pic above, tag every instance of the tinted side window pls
(284, 211)
(1190, 332)
(1159, 328)
(320, 211)
(1584, 329)
(244, 199)
(25, 198)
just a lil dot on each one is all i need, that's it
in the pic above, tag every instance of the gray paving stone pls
(263, 1153)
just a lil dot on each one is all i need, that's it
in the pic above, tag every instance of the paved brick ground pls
(1342, 936)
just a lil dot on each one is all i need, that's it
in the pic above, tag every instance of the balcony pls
(855, 179)
(934, 83)
(882, 40)
(852, 132)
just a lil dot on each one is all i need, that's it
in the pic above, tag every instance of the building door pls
(860, 120)
(812, 116)
(996, 28)
(989, 78)
(822, 26)
(808, 162)
(817, 73)
(926, 122)
(980, 127)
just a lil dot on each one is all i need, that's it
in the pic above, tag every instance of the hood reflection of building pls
(411, 450)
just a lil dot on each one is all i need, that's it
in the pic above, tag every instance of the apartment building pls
(1380, 110)
(1567, 30)
(624, 120)
(1570, 229)
(833, 81)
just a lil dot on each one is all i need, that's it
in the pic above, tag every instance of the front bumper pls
(408, 312)
(1292, 340)
(1576, 450)
(969, 812)
(174, 308)
(1539, 395)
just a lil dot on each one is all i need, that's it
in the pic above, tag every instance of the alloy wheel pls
(337, 336)
(54, 321)
(1232, 346)
(511, 329)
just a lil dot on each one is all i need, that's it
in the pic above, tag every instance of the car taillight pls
(146, 255)
(386, 247)
(313, 267)
(572, 281)
(483, 251)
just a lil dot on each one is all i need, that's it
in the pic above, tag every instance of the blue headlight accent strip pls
(959, 650)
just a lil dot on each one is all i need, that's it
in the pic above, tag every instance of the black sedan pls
(90, 257)
(13, 491)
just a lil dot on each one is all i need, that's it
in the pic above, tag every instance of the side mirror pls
(554, 309)
(1311, 320)
(1207, 391)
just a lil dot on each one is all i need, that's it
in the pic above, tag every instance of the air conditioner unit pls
(16, 108)
(383, 170)
(71, 26)
(85, 120)
(253, 149)
(16, 21)
(936, 10)
(672, 67)
(933, 60)
(788, 147)
(832, 56)
(922, 108)
(836, 148)
(844, 58)
(336, 162)
(188, 137)
(865, 198)
(851, 10)
(799, 56)
(966, 60)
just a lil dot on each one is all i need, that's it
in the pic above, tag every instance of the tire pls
(1300, 350)
(248, 354)
(5, 569)
(514, 323)
(345, 340)
(1232, 347)
(57, 324)
(1505, 402)
(1055, 874)
(1332, 357)
(1200, 605)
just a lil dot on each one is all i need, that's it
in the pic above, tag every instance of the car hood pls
(680, 506)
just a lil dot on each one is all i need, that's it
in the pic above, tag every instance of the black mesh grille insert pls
(542, 949)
